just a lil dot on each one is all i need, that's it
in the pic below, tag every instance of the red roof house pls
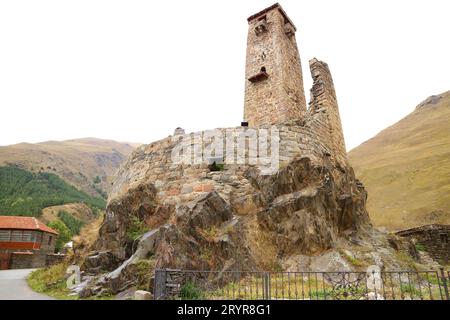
(25, 234)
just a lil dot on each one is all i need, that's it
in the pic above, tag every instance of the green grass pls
(25, 193)
(352, 260)
(189, 291)
(50, 281)
(136, 228)
(420, 247)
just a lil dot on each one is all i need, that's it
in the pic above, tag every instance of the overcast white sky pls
(136, 70)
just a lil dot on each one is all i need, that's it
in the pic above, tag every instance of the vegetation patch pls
(71, 222)
(420, 247)
(25, 193)
(407, 260)
(52, 282)
(136, 228)
(214, 167)
(353, 260)
(64, 233)
(190, 291)
(144, 271)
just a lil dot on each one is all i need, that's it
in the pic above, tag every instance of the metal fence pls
(239, 285)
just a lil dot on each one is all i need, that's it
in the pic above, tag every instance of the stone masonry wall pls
(324, 117)
(25, 260)
(183, 181)
(435, 239)
(278, 94)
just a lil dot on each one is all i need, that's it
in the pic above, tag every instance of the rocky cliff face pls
(232, 219)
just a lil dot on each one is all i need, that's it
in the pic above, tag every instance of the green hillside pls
(26, 193)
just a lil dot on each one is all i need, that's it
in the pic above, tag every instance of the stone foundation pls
(26, 260)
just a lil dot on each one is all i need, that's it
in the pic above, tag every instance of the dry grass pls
(84, 241)
(261, 245)
(406, 169)
(314, 286)
(249, 207)
(78, 210)
(64, 158)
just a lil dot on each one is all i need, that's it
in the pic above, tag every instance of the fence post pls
(266, 293)
(159, 285)
(444, 283)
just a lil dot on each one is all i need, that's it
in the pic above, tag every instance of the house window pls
(49, 240)
(16, 236)
(26, 236)
(5, 235)
(38, 237)
(444, 237)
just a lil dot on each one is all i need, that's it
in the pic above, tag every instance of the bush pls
(216, 167)
(420, 247)
(64, 235)
(71, 222)
(189, 291)
(136, 228)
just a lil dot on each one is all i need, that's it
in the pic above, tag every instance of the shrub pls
(189, 291)
(64, 235)
(136, 228)
(420, 247)
(71, 222)
(216, 167)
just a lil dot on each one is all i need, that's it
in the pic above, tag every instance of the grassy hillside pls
(79, 211)
(88, 164)
(26, 193)
(406, 168)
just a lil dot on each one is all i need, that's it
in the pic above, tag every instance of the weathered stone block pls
(143, 295)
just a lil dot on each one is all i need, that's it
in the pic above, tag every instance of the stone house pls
(25, 242)
(434, 238)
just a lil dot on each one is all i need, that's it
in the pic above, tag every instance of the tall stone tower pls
(274, 84)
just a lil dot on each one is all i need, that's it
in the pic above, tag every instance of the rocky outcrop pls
(307, 207)
(304, 208)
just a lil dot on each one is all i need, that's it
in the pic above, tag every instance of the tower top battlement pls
(276, 6)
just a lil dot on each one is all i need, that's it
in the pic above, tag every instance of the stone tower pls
(274, 84)
(324, 110)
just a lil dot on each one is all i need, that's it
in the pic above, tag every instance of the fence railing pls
(240, 285)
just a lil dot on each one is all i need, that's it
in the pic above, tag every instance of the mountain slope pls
(26, 193)
(88, 164)
(406, 168)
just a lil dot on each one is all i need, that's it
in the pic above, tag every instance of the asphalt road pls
(13, 286)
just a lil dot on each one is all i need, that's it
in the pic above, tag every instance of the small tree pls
(64, 234)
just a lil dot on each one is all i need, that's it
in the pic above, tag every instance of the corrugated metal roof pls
(24, 223)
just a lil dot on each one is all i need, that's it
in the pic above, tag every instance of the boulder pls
(143, 295)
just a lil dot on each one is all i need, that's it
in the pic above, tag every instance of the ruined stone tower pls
(323, 112)
(274, 84)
